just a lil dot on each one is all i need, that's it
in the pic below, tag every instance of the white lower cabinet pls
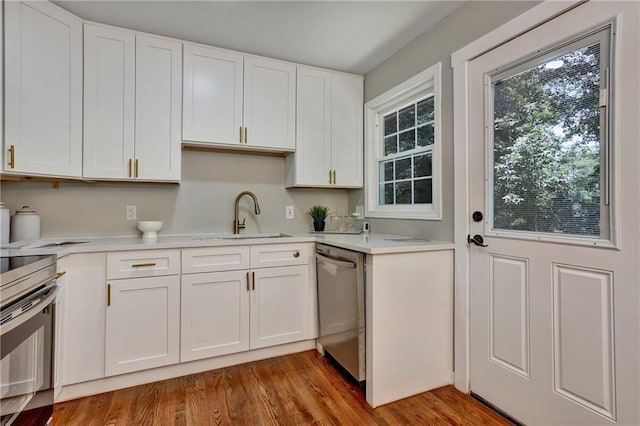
(237, 310)
(215, 314)
(85, 303)
(279, 306)
(142, 324)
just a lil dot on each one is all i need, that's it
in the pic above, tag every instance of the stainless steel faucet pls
(237, 225)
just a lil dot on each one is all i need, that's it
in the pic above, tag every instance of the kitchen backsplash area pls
(202, 203)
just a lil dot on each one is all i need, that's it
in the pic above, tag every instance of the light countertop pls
(366, 243)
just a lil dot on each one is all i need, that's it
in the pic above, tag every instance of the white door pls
(279, 305)
(43, 89)
(109, 102)
(143, 324)
(215, 314)
(554, 295)
(346, 129)
(269, 103)
(212, 95)
(158, 109)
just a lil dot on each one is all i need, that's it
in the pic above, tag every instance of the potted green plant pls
(319, 214)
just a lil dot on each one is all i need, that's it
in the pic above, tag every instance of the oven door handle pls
(30, 313)
(341, 263)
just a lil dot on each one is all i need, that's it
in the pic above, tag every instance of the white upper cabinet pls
(269, 104)
(212, 99)
(329, 126)
(109, 102)
(158, 108)
(346, 130)
(236, 101)
(132, 105)
(43, 90)
(313, 130)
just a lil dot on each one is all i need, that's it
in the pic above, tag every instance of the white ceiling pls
(352, 36)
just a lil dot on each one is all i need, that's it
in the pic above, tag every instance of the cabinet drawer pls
(143, 263)
(264, 256)
(214, 259)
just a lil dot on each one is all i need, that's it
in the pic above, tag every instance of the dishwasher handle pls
(331, 260)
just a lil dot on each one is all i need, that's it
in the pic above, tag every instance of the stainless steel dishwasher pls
(341, 307)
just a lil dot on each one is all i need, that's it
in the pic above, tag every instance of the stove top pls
(11, 263)
(22, 274)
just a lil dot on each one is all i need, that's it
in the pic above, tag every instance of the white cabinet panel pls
(269, 255)
(279, 306)
(84, 326)
(142, 263)
(313, 128)
(329, 142)
(213, 259)
(212, 95)
(109, 101)
(158, 109)
(43, 89)
(142, 324)
(346, 129)
(269, 103)
(59, 311)
(238, 102)
(215, 314)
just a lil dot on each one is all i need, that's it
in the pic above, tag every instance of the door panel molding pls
(583, 303)
(509, 342)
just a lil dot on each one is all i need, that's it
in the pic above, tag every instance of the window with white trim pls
(402, 133)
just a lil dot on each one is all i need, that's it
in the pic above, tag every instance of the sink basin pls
(239, 236)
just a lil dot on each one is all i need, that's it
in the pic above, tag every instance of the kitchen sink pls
(239, 236)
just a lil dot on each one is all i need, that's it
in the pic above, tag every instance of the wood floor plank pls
(297, 389)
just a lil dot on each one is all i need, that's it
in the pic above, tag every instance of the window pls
(550, 142)
(402, 150)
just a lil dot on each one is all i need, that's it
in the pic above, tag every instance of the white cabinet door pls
(279, 306)
(215, 314)
(346, 130)
(313, 128)
(212, 95)
(269, 103)
(84, 326)
(109, 101)
(158, 109)
(142, 326)
(43, 89)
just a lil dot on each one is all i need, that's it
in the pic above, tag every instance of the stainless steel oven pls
(27, 293)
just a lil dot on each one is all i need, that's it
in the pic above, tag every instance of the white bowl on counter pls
(150, 228)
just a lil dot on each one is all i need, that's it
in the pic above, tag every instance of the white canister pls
(5, 217)
(25, 225)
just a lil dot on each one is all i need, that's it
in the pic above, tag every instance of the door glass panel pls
(547, 150)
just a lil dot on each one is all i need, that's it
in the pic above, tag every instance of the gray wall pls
(468, 23)
(203, 202)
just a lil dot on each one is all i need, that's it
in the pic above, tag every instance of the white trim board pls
(459, 62)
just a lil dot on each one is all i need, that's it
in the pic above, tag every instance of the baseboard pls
(108, 384)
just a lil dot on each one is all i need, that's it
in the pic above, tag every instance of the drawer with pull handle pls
(268, 255)
(215, 259)
(143, 263)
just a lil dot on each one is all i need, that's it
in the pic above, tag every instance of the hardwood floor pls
(298, 389)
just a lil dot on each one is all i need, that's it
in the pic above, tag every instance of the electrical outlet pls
(289, 212)
(131, 212)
